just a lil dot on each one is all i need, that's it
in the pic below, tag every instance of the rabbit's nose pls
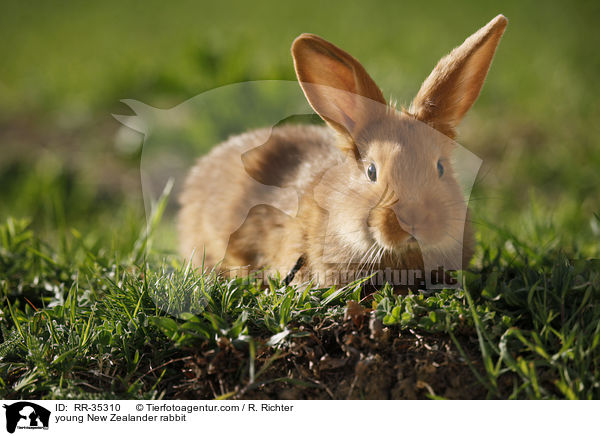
(408, 217)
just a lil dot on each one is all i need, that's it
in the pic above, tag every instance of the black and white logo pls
(26, 415)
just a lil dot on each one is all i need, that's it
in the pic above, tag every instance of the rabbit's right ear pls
(335, 84)
(454, 84)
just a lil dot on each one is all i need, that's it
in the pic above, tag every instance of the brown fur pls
(264, 199)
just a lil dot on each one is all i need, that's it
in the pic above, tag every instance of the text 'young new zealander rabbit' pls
(375, 190)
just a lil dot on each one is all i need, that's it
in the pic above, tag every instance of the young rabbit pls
(371, 191)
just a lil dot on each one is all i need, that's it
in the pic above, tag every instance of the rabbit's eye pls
(372, 173)
(440, 168)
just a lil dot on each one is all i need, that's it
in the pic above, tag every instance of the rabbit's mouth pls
(387, 231)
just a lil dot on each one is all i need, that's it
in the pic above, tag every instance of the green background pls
(66, 66)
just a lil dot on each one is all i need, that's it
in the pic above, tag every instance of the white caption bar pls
(297, 417)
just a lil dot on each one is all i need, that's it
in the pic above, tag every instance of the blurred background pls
(66, 163)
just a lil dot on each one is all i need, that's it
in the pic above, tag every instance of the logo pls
(26, 415)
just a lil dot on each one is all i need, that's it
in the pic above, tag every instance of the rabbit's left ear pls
(454, 84)
(335, 84)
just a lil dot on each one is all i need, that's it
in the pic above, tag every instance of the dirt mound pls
(357, 358)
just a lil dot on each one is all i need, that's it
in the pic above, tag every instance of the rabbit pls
(371, 190)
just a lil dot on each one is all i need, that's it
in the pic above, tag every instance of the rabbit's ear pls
(454, 84)
(335, 84)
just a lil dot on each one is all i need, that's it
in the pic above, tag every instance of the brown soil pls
(356, 359)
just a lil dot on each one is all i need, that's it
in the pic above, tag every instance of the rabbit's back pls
(250, 186)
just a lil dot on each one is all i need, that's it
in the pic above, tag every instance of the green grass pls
(82, 322)
(80, 278)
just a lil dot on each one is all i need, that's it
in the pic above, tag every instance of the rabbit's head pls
(396, 191)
